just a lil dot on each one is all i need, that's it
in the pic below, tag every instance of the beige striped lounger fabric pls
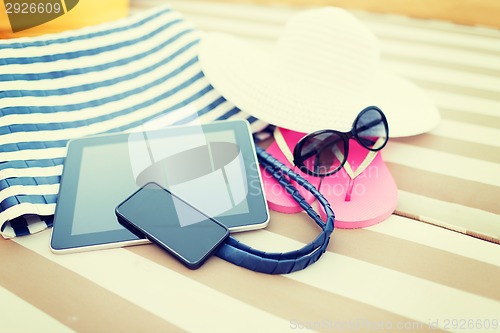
(434, 265)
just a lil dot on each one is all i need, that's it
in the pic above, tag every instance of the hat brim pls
(253, 80)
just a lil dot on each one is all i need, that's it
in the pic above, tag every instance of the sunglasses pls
(323, 153)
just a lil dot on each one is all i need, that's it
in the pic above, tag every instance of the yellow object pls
(32, 18)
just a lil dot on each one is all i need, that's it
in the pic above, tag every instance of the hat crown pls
(330, 44)
(323, 70)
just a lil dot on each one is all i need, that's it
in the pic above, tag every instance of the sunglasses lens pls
(372, 130)
(323, 153)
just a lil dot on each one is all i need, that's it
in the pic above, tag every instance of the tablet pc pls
(212, 166)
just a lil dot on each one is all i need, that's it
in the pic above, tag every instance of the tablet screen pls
(94, 191)
(211, 166)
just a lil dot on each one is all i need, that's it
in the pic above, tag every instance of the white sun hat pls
(321, 73)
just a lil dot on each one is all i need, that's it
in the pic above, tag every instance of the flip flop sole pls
(373, 193)
(277, 198)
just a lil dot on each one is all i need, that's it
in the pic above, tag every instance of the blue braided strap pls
(283, 263)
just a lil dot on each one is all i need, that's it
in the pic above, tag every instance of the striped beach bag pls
(102, 79)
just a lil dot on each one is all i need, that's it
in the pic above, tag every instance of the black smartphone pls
(171, 223)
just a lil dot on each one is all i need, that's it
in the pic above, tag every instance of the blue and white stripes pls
(102, 79)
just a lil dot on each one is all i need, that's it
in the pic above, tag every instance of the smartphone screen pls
(172, 223)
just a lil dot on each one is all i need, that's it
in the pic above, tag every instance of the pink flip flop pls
(277, 199)
(361, 194)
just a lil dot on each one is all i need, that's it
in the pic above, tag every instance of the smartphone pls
(171, 223)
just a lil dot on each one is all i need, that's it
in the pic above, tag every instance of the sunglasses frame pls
(344, 136)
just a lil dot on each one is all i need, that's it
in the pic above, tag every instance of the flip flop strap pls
(280, 141)
(366, 162)
(282, 263)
